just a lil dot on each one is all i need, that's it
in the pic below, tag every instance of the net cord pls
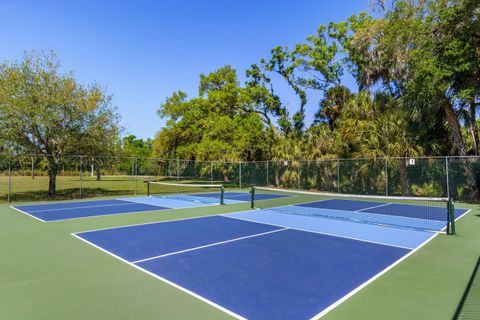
(345, 195)
(186, 184)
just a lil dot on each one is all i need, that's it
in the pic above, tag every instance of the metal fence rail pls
(25, 177)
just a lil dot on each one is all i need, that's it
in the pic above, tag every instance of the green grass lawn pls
(45, 273)
(24, 188)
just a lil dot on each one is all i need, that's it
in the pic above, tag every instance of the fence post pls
(211, 172)
(386, 177)
(447, 178)
(33, 169)
(9, 178)
(81, 176)
(135, 172)
(240, 174)
(338, 175)
(268, 181)
(298, 175)
(178, 169)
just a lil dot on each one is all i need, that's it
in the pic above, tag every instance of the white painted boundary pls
(88, 207)
(318, 232)
(379, 206)
(28, 214)
(145, 223)
(318, 316)
(378, 275)
(375, 277)
(211, 245)
(213, 304)
(96, 216)
(102, 215)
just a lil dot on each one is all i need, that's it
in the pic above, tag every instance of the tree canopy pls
(223, 123)
(416, 65)
(417, 70)
(49, 114)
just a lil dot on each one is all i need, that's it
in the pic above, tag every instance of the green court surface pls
(46, 273)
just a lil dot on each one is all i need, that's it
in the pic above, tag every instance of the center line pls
(210, 245)
(382, 205)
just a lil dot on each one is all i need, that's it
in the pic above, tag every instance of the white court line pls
(375, 277)
(321, 314)
(151, 222)
(100, 215)
(204, 204)
(317, 232)
(213, 304)
(379, 206)
(87, 207)
(351, 293)
(464, 214)
(28, 214)
(211, 245)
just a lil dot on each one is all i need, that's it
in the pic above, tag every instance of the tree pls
(422, 54)
(136, 147)
(378, 128)
(332, 104)
(50, 114)
(226, 122)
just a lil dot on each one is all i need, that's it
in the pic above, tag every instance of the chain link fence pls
(29, 177)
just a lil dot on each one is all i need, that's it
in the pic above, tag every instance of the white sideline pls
(213, 304)
(351, 293)
(318, 232)
(211, 245)
(145, 223)
(28, 214)
(318, 316)
(375, 277)
(87, 207)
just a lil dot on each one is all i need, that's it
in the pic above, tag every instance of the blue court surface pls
(262, 264)
(82, 209)
(432, 217)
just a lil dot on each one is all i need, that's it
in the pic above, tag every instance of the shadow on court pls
(468, 308)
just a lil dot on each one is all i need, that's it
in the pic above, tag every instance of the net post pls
(148, 188)
(252, 197)
(451, 217)
(222, 195)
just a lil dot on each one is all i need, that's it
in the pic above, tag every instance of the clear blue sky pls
(142, 51)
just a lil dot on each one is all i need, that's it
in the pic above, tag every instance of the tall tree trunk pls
(52, 177)
(473, 126)
(452, 119)
(98, 173)
(277, 177)
(404, 181)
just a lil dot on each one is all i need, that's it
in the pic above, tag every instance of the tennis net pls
(419, 213)
(206, 193)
